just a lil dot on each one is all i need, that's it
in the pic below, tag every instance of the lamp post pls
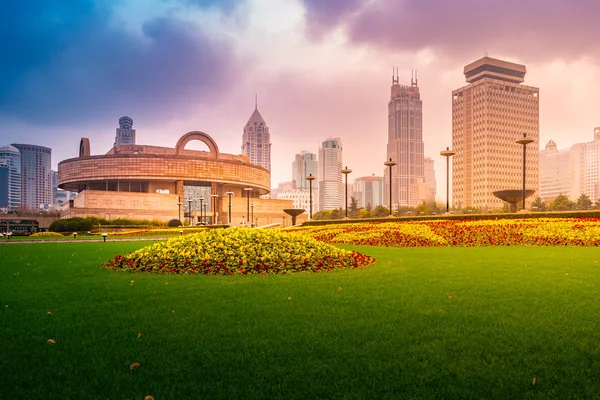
(229, 194)
(201, 204)
(524, 142)
(390, 164)
(247, 190)
(204, 218)
(252, 215)
(310, 178)
(346, 171)
(190, 211)
(214, 197)
(179, 207)
(447, 153)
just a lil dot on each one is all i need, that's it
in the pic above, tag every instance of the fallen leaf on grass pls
(289, 298)
(148, 398)
(51, 341)
(134, 366)
(49, 313)
(450, 297)
(339, 288)
(140, 335)
(533, 382)
(173, 312)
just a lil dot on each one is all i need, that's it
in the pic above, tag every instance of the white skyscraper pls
(304, 164)
(125, 132)
(10, 177)
(555, 172)
(256, 141)
(330, 175)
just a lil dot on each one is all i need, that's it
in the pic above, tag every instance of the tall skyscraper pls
(369, 190)
(304, 165)
(256, 141)
(429, 169)
(125, 132)
(330, 175)
(10, 177)
(405, 140)
(555, 172)
(36, 175)
(488, 116)
(585, 168)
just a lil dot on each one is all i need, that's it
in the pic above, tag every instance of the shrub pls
(174, 223)
(46, 234)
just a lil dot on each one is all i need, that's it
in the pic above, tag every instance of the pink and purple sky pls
(321, 68)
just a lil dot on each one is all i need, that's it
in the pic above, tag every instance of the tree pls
(381, 211)
(369, 207)
(322, 215)
(337, 213)
(597, 204)
(422, 209)
(584, 202)
(561, 203)
(353, 207)
(538, 204)
(362, 213)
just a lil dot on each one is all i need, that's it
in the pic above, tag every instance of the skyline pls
(320, 70)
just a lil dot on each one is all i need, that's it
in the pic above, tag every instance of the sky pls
(320, 69)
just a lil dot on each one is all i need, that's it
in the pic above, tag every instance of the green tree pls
(322, 215)
(561, 203)
(584, 202)
(353, 209)
(538, 204)
(337, 213)
(422, 209)
(381, 211)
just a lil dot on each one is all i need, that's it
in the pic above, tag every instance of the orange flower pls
(450, 297)
(139, 335)
(148, 398)
(134, 366)
(339, 288)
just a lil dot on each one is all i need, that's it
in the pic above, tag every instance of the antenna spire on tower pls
(255, 101)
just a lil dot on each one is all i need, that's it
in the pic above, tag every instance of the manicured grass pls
(392, 331)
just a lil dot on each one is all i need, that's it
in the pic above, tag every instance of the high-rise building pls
(405, 140)
(429, 169)
(10, 177)
(369, 190)
(36, 175)
(125, 132)
(585, 168)
(330, 175)
(256, 141)
(488, 116)
(304, 164)
(555, 172)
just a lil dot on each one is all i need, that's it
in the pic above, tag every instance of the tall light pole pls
(447, 153)
(214, 197)
(390, 164)
(229, 194)
(346, 171)
(201, 204)
(252, 215)
(524, 142)
(179, 207)
(204, 217)
(190, 211)
(310, 178)
(247, 190)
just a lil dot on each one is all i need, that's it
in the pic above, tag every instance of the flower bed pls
(46, 234)
(501, 232)
(157, 231)
(239, 251)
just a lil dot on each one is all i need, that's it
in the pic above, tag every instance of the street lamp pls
(447, 153)
(310, 178)
(190, 211)
(229, 194)
(247, 190)
(204, 218)
(214, 197)
(524, 142)
(179, 206)
(346, 171)
(252, 215)
(201, 204)
(390, 164)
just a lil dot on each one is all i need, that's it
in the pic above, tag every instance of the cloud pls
(535, 29)
(75, 64)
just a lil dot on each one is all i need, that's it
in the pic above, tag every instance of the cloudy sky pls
(321, 68)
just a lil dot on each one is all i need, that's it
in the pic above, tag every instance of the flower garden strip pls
(501, 232)
(239, 251)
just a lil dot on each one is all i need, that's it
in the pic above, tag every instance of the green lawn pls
(392, 331)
